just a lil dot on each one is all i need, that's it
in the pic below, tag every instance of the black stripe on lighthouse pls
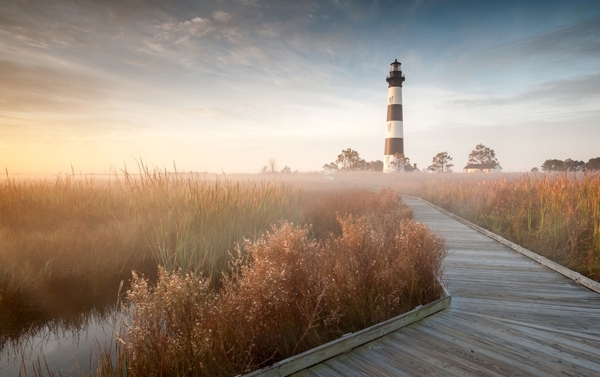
(394, 112)
(393, 146)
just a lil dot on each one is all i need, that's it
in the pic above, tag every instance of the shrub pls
(292, 293)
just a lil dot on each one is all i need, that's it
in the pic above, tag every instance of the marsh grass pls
(280, 292)
(321, 208)
(67, 244)
(292, 293)
(72, 230)
(207, 220)
(555, 215)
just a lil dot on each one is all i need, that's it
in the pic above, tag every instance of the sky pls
(225, 85)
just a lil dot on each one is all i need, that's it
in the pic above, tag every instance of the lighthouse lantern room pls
(394, 135)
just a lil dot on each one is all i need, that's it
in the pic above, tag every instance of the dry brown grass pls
(64, 241)
(65, 246)
(294, 292)
(77, 237)
(69, 242)
(555, 215)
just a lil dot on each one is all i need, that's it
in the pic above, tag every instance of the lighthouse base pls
(389, 165)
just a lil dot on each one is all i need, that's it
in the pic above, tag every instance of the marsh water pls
(58, 337)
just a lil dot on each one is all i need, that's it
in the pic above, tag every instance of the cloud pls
(221, 16)
(63, 27)
(565, 47)
(36, 89)
(566, 92)
(61, 130)
(581, 39)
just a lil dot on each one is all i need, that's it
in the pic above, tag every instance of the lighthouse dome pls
(395, 78)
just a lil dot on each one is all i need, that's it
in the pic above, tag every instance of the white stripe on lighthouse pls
(394, 129)
(395, 95)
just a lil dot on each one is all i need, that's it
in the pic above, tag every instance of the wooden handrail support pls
(575, 276)
(350, 341)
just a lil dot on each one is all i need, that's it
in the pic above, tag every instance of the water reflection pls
(66, 345)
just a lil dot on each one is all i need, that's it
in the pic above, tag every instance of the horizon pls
(226, 86)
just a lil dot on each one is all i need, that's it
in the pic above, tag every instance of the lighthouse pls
(394, 134)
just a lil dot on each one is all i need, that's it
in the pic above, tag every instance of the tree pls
(593, 164)
(573, 165)
(350, 160)
(441, 163)
(401, 163)
(330, 168)
(483, 155)
(347, 160)
(553, 165)
(272, 165)
(286, 170)
(376, 165)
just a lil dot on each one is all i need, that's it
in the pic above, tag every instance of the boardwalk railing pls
(350, 341)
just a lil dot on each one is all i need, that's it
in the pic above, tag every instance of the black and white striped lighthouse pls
(394, 134)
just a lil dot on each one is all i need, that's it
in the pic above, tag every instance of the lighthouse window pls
(389, 127)
(391, 99)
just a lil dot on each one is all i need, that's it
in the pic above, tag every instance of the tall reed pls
(206, 221)
(65, 245)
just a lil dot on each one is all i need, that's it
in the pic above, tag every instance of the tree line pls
(350, 160)
(273, 168)
(551, 165)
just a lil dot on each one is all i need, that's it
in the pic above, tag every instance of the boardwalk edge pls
(350, 341)
(575, 276)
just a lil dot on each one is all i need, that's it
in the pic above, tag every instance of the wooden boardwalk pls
(510, 316)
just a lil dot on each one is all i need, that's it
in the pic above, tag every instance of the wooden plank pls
(421, 360)
(584, 334)
(401, 360)
(569, 344)
(323, 370)
(347, 367)
(379, 364)
(346, 343)
(527, 345)
(489, 351)
(304, 373)
(453, 359)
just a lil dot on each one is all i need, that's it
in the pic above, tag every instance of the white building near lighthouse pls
(394, 133)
